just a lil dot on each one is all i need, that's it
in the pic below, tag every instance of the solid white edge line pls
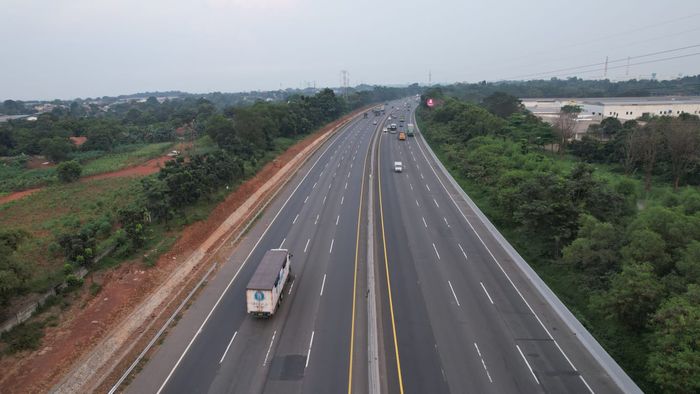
(194, 337)
(495, 260)
(308, 353)
(460, 248)
(323, 284)
(307, 244)
(227, 347)
(453, 292)
(586, 383)
(528, 364)
(269, 348)
(487, 293)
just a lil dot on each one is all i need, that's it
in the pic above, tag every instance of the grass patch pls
(16, 177)
(56, 210)
(25, 336)
(125, 156)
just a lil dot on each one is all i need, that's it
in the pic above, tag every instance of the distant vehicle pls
(374, 123)
(402, 136)
(365, 114)
(398, 166)
(410, 130)
(392, 128)
(384, 130)
(174, 153)
(265, 290)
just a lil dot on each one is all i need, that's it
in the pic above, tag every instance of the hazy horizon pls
(70, 49)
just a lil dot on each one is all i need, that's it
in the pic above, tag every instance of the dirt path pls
(17, 195)
(150, 167)
(91, 320)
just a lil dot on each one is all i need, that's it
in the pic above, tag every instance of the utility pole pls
(345, 76)
(605, 74)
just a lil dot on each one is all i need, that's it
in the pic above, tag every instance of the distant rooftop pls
(622, 100)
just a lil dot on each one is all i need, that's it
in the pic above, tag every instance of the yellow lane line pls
(386, 266)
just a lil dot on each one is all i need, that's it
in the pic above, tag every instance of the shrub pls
(69, 171)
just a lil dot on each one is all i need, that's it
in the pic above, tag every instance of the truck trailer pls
(265, 290)
(410, 130)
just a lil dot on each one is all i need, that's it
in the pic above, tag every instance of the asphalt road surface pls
(454, 314)
(306, 345)
(454, 319)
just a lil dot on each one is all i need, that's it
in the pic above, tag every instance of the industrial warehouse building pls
(623, 108)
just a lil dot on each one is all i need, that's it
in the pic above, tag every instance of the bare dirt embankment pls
(90, 328)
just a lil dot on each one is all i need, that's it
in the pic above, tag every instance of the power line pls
(602, 38)
(632, 64)
(606, 62)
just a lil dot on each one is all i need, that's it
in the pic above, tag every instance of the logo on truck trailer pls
(259, 296)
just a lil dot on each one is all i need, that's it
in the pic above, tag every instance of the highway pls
(306, 346)
(454, 314)
(454, 319)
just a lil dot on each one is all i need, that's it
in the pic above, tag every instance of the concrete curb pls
(617, 374)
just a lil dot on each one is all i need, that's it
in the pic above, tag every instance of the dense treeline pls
(244, 138)
(576, 87)
(621, 248)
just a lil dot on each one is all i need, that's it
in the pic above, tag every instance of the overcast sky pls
(87, 48)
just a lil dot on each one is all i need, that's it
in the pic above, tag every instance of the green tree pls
(13, 272)
(634, 294)
(596, 248)
(647, 246)
(134, 220)
(689, 264)
(674, 360)
(69, 171)
(502, 104)
(56, 149)
(222, 131)
(610, 126)
(157, 199)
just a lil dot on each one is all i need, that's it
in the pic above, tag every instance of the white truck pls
(398, 166)
(265, 290)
